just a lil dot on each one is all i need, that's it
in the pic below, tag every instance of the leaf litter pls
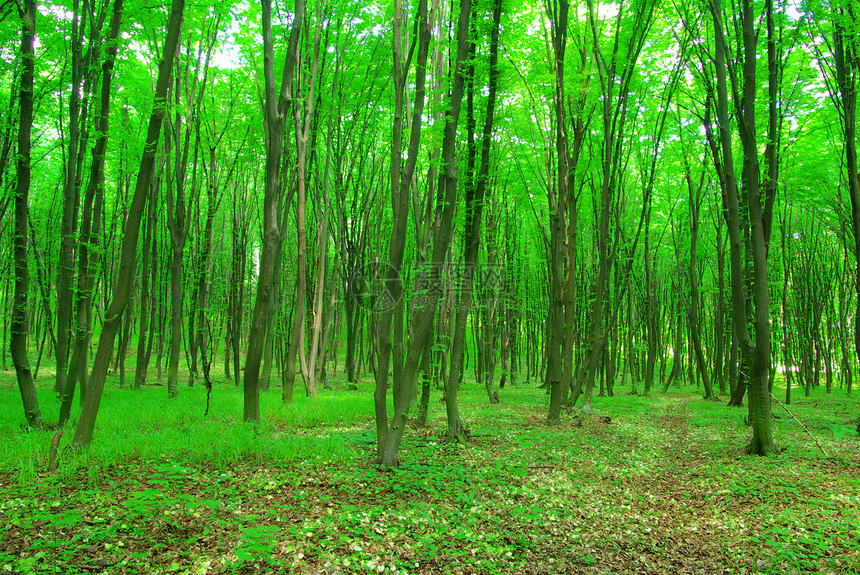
(641, 492)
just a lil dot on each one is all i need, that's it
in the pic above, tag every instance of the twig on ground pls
(52, 455)
(207, 365)
(800, 424)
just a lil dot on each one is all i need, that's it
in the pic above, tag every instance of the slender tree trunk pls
(677, 372)
(426, 369)
(615, 78)
(65, 265)
(353, 322)
(122, 291)
(90, 234)
(475, 194)
(178, 208)
(759, 389)
(271, 321)
(302, 131)
(491, 298)
(44, 291)
(425, 311)
(786, 313)
(237, 282)
(759, 352)
(846, 52)
(388, 439)
(558, 218)
(652, 313)
(742, 337)
(277, 106)
(146, 300)
(19, 324)
(197, 321)
(720, 313)
(447, 189)
(695, 200)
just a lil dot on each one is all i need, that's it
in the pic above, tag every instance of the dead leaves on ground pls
(612, 493)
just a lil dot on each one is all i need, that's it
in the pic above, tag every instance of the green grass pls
(145, 424)
(644, 485)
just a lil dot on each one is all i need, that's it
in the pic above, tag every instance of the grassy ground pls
(643, 485)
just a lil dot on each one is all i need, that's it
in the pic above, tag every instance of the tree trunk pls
(88, 253)
(694, 198)
(147, 303)
(18, 343)
(178, 209)
(846, 52)
(615, 79)
(65, 265)
(446, 202)
(558, 218)
(197, 321)
(759, 389)
(475, 193)
(302, 131)
(722, 150)
(122, 290)
(677, 373)
(493, 278)
(388, 440)
(277, 105)
(720, 313)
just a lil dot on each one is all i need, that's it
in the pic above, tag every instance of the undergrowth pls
(643, 485)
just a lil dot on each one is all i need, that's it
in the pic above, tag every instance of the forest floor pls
(643, 485)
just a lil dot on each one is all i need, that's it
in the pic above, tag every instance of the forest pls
(487, 205)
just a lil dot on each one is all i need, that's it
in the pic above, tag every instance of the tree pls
(19, 324)
(558, 215)
(388, 437)
(193, 85)
(71, 193)
(198, 329)
(304, 120)
(694, 197)
(90, 232)
(616, 72)
(476, 189)
(276, 107)
(122, 289)
(845, 71)
(755, 354)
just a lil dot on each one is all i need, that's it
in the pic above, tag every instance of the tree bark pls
(846, 52)
(303, 125)
(65, 264)
(759, 389)
(475, 193)
(723, 154)
(425, 308)
(18, 343)
(694, 196)
(122, 291)
(91, 225)
(558, 217)
(277, 104)
(401, 172)
(615, 78)
(147, 301)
